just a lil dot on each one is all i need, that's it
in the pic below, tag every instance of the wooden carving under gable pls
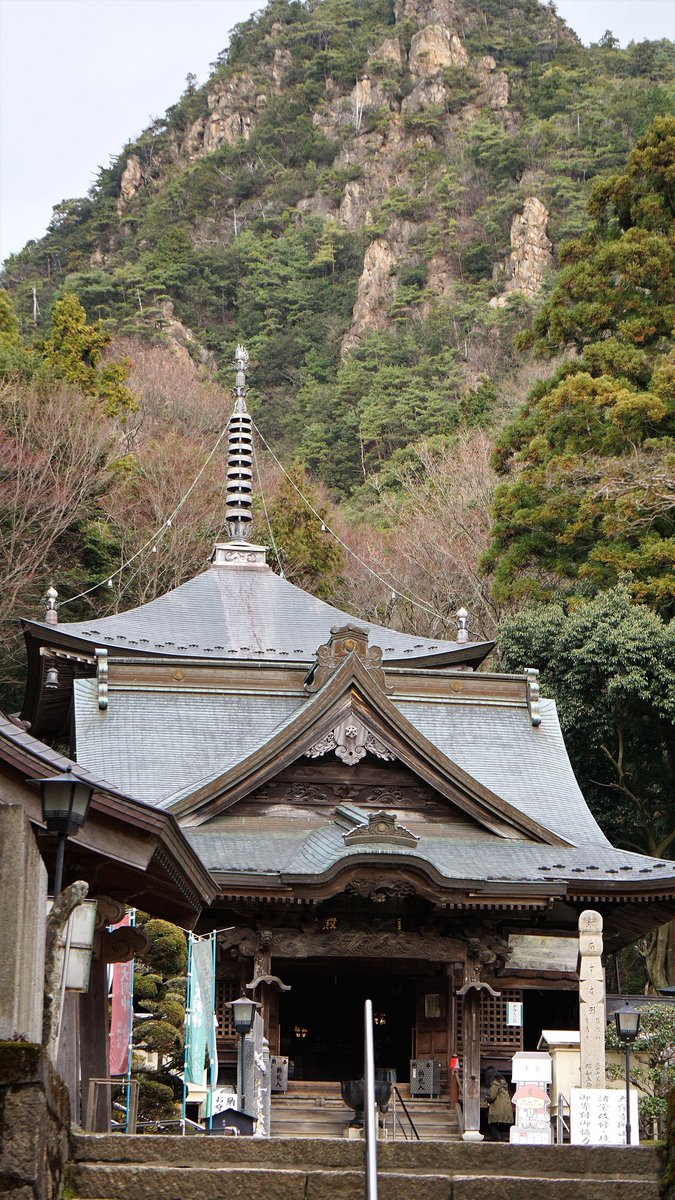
(380, 891)
(351, 741)
(345, 640)
(358, 943)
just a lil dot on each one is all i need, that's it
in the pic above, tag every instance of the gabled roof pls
(240, 612)
(130, 850)
(351, 692)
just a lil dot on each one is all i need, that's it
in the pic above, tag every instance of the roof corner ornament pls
(102, 676)
(51, 615)
(532, 689)
(462, 625)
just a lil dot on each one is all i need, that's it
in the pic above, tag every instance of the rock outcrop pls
(494, 84)
(388, 51)
(232, 108)
(132, 179)
(181, 340)
(434, 48)
(530, 254)
(378, 283)
(443, 12)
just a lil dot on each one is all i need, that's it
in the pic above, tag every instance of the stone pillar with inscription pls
(591, 1000)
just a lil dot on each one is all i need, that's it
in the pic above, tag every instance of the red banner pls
(120, 1014)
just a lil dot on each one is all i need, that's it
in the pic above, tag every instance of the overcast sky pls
(79, 78)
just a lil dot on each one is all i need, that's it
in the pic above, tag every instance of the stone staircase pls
(147, 1167)
(310, 1109)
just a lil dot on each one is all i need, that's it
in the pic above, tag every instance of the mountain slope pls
(371, 195)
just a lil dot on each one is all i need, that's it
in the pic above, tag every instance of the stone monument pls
(591, 1000)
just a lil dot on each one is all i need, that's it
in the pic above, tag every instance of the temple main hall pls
(381, 816)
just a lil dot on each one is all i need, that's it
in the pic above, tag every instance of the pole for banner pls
(213, 1067)
(132, 922)
(186, 1050)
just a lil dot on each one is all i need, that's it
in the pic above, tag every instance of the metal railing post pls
(369, 1103)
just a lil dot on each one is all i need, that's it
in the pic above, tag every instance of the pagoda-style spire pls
(240, 457)
(239, 502)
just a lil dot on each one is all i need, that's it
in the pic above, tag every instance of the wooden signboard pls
(536, 952)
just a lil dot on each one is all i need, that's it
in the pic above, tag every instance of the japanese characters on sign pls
(598, 1117)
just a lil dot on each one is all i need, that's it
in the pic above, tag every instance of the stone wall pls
(34, 1123)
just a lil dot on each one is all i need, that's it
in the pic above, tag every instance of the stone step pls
(449, 1159)
(146, 1182)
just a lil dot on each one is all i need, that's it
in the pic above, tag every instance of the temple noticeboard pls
(598, 1117)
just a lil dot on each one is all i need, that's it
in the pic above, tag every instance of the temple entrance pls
(321, 1021)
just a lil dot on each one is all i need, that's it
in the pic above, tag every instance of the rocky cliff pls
(385, 157)
(359, 182)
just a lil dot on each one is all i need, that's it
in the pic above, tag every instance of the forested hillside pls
(354, 184)
(444, 231)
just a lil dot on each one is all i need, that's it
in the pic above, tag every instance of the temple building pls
(380, 817)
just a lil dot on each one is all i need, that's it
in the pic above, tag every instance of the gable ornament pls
(346, 640)
(351, 741)
(382, 827)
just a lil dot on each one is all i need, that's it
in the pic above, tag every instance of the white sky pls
(79, 78)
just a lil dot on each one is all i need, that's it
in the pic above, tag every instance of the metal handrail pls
(562, 1126)
(412, 1123)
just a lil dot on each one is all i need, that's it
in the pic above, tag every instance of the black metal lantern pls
(65, 802)
(627, 1029)
(627, 1023)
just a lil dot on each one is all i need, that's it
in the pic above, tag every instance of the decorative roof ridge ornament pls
(462, 625)
(239, 499)
(533, 695)
(382, 827)
(345, 640)
(51, 615)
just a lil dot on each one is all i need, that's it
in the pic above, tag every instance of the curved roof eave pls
(235, 614)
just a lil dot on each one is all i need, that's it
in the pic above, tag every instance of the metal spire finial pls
(240, 457)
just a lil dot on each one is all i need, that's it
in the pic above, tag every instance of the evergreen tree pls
(73, 352)
(310, 556)
(590, 456)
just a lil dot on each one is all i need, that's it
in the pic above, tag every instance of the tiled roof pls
(195, 738)
(236, 613)
(299, 851)
(153, 744)
(526, 766)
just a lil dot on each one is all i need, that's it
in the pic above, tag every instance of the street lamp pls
(65, 803)
(243, 1015)
(627, 1029)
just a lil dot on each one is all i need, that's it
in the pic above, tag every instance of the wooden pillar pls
(94, 1041)
(452, 1034)
(471, 1064)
